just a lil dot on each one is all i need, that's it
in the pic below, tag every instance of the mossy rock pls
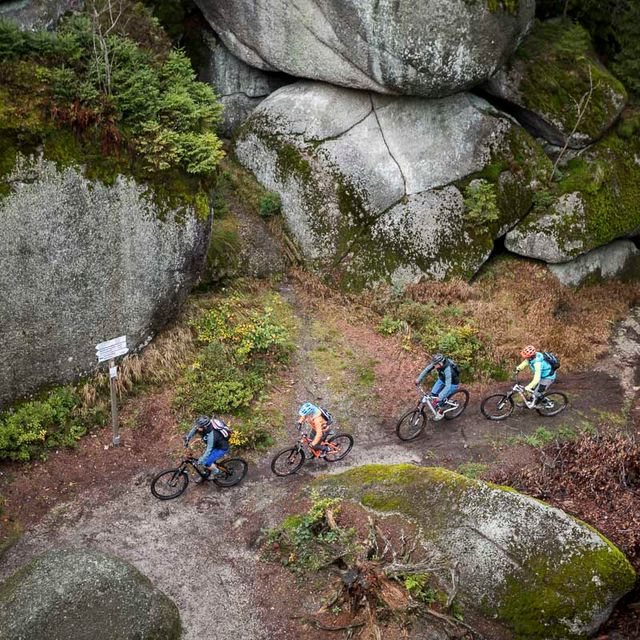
(540, 572)
(76, 594)
(553, 70)
(373, 188)
(595, 201)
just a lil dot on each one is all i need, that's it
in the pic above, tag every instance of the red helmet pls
(528, 352)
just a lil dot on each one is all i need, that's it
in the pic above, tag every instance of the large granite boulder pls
(377, 188)
(537, 570)
(81, 594)
(426, 48)
(84, 262)
(37, 14)
(620, 259)
(239, 87)
(555, 84)
(594, 202)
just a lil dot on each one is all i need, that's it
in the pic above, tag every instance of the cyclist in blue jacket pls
(447, 382)
(215, 434)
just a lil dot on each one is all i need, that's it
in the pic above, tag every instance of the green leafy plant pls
(270, 204)
(481, 202)
(26, 430)
(307, 542)
(388, 326)
(472, 469)
(251, 433)
(114, 81)
(417, 584)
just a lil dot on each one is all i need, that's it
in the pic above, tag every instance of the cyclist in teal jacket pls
(543, 374)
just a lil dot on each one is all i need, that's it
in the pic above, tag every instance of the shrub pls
(481, 202)
(462, 344)
(417, 314)
(388, 326)
(270, 204)
(129, 89)
(28, 428)
(241, 343)
(251, 433)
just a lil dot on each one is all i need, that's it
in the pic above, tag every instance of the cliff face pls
(84, 262)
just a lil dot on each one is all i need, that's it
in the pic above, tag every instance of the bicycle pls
(289, 460)
(413, 423)
(499, 406)
(171, 483)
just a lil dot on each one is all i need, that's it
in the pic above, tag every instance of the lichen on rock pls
(85, 261)
(373, 187)
(407, 48)
(85, 594)
(535, 569)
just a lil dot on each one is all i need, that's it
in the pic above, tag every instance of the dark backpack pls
(552, 360)
(326, 415)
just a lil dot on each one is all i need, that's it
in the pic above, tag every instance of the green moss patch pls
(558, 61)
(148, 118)
(607, 181)
(540, 572)
(521, 603)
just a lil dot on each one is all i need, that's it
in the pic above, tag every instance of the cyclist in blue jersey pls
(447, 382)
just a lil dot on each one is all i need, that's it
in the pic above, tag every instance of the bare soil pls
(204, 547)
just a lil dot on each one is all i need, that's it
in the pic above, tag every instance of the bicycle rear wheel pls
(497, 406)
(551, 404)
(169, 484)
(233, 471)
(411, 425)
(459, 398)
(287, 461)
(343, 442)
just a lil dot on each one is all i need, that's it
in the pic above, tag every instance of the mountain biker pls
(215, 434)
(313, 416)
(447, 382)
(543, 374)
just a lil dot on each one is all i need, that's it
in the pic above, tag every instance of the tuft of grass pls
(472, 469)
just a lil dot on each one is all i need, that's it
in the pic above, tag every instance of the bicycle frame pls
(426, 400)
(193, 463)
(304, 445)
(520, 390)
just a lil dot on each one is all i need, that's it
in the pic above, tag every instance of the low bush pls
(28, 429)
(270, 204)
(127, 97)
(242, 343)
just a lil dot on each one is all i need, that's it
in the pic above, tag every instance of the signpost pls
(109, 351)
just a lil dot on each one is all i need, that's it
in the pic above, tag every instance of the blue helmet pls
(307, 409)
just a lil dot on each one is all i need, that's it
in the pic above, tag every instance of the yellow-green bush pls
(28, 429)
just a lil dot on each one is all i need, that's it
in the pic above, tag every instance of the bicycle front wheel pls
(233, 471)
(169, 484)
(497, 407)
(339, 447)
(287, 461)
(456, 403)
(411, 424)
(551, 404)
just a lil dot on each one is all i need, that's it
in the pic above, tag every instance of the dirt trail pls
(201, 548)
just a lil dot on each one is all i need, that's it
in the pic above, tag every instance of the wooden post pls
(113, 373)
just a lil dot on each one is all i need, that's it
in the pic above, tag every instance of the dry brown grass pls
(513, 303)
(518, 303)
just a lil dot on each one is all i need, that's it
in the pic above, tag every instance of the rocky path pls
(202, 550)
